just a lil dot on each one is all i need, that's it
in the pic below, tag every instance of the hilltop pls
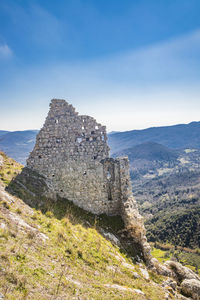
(149, 151)
(55, 250)
(165, 180)
(63, 245)
(179, 136)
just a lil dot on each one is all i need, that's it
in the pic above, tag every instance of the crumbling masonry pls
(71, 152)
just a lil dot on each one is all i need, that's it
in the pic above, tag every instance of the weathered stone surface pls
(71, 151)
(70, 279)
(128, 266)
(111, 237)
(71, 156)
(181, 272)
(1, 296)
(144, 273)
(124, 289)
(162, 269)
(171, 283)
(191, 288)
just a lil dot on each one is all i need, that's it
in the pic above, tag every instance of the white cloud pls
(159, 84)
(5, 51)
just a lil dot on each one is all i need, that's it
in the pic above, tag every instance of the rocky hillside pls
(166, 185)
(9, 168)
(165, 180)
(65, 253)
(59, 251)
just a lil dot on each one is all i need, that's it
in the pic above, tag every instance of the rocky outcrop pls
(191, 288)
(188, 281)
(180, 272)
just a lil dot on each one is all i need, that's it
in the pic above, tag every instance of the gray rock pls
(124, 289)
(111, 237)
(191, 288)
(170, 283)
(161, 269)
(1, 163)
(144, 273)
(181, 272)
(136, 275)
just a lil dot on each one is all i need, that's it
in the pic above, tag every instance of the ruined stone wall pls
(71, 151)
(133, 221)
(72, 156)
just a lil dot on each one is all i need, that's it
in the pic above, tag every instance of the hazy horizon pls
(109, 132)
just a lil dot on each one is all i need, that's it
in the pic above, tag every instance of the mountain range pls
(18, 144)
(165, 172)
(176, 137)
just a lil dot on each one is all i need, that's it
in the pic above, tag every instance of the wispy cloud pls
(34, 26)
(158, 84)
(5, 51)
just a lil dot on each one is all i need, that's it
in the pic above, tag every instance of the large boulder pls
(191, 288)
(181, 272)
(161, 269)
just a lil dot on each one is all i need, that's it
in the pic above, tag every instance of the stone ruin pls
(72, 154)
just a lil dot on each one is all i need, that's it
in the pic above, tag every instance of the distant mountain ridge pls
(165, 172)
(149, 151)
(179, 136)
(18, 144)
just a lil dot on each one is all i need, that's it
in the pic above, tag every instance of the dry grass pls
(59, 253)
(71, 262)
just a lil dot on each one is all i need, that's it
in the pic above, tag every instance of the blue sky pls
(129, 63)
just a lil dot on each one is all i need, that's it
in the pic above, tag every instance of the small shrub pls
(5, 257)
(20, 257)
(31, 235)
(18, 211)
(21, 286)
(80, 254)
(34, 217)
(6, 205)
(49, 214)
(61, 236)
(197, 251)
(68, 252)
(12, 234)
(11, 278)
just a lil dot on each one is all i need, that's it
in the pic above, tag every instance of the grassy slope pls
(9, 169)
(60, 254)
